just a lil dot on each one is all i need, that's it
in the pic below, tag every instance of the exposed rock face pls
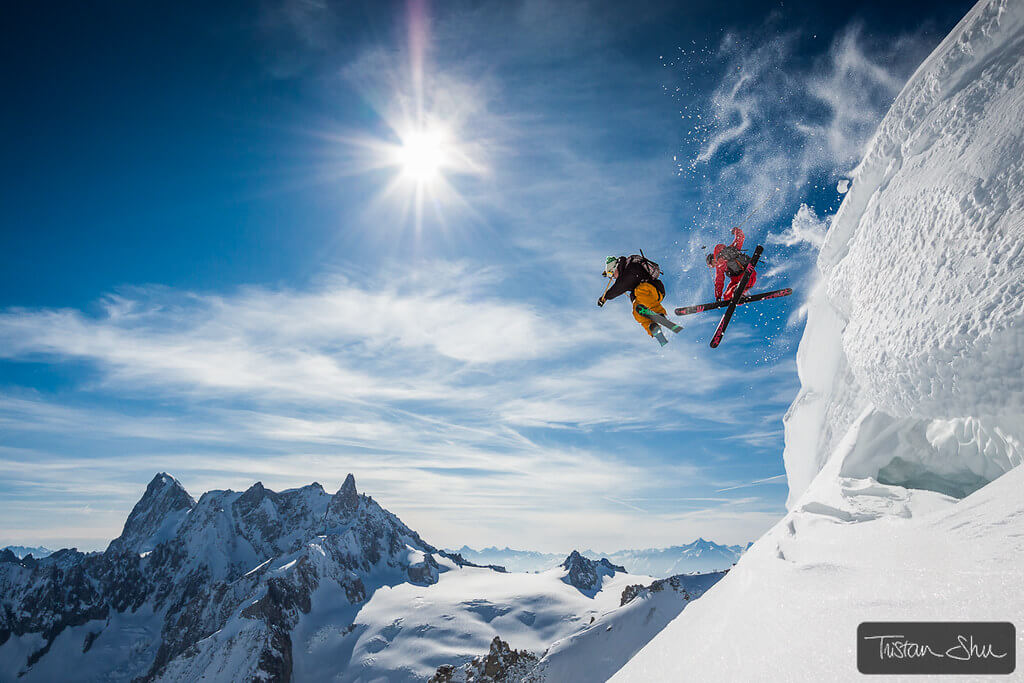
(346, 500)
(226, 577)
(425, 572)
(586, 574)
(501, 664)
(458, 559)
(688, 586)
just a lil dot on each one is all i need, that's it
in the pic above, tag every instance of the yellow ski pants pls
(647, 295)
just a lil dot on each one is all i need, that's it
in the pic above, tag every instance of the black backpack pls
(652, 269)
(735, 259)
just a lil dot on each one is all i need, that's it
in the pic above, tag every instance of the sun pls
(422, 155)
(432, 144)
(426, 158)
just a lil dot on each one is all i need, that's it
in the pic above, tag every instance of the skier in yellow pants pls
(638, 276)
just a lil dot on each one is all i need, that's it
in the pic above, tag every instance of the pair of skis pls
(687, 310)
(661, 321)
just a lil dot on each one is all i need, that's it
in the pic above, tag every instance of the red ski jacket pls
(721, 265)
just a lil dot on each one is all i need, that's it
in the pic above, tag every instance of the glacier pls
(904, 443)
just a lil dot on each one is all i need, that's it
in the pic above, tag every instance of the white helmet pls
(611, 264)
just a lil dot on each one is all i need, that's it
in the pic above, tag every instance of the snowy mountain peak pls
(345, 502)
(574, 559)
(252, 495)
(223, 579)
(155, 516)
(585, 574)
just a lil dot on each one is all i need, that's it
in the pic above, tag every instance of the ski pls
(658, 318)
(717, 338)
(687, 310)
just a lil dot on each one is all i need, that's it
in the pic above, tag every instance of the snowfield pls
(903, 447)
(405, 632)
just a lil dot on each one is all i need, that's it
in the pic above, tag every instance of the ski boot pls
(659, 335)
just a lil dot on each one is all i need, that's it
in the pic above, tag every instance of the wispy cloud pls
(299, 343)
(775, 121)
(415, 388)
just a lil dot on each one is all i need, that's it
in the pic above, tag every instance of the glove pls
(735, 232)
(600, 301)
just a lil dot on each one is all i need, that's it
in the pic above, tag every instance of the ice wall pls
(915, 333)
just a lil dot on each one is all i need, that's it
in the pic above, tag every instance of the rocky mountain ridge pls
(246, 562)
(267, 585)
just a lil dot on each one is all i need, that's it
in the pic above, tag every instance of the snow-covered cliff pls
(903, 447)
(916, 330)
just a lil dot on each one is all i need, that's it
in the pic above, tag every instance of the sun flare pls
(422, 155)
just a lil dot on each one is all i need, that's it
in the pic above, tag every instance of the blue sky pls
(212, 265)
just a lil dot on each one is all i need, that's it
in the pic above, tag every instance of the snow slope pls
(405, 632)
(903, 447)
(789, 610)
(600, 649)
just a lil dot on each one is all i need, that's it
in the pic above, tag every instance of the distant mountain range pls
(21, 551)
(698, 556)
(305, 585)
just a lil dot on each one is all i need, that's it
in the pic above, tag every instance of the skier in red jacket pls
(729, 260)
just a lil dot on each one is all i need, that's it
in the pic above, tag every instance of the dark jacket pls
(630, 277)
